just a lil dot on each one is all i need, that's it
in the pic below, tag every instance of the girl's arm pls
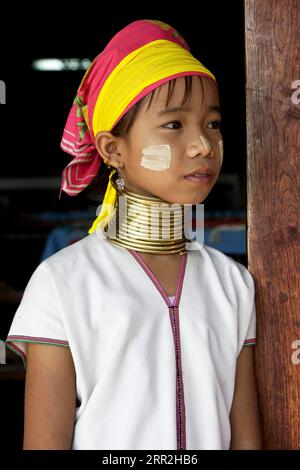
(50, 398)
(244, 415)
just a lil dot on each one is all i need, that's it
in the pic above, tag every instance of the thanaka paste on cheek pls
(221, 150)
(205, 142)
(156, 157)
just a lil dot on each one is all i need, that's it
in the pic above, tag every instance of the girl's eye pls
(171, 122)
(216, 123)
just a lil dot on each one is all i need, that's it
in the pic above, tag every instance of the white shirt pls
(148, 375)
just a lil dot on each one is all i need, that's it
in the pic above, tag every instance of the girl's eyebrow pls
(175, 110)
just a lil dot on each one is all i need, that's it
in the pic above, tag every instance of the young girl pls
(152, 333)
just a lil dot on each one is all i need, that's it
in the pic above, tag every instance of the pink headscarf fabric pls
(78, 139)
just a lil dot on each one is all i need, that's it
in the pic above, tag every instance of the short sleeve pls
(38, 318)
(250, 339)
(249, 313)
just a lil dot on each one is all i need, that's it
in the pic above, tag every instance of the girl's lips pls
(201, 179)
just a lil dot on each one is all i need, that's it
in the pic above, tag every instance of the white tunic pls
(148, 375)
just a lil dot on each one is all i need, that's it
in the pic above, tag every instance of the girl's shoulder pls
(77, 247)
(77, 254)
(218, 256)
(226, 266)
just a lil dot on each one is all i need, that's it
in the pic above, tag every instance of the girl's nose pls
(202, 147)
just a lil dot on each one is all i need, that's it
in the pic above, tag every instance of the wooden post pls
(272, 41)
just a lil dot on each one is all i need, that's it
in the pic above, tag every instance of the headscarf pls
(139, 58)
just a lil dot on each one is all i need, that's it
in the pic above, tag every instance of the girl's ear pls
(108, 148)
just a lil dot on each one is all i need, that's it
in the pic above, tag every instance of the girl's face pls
(162, 147)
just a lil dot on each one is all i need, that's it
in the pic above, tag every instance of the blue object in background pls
(223, 230)
(61, 237)
(229, 239)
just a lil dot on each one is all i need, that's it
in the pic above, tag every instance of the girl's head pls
(170, 133)
(121, 114)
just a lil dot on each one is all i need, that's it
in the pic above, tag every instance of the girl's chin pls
(197, 197)
(186, 200)
(183, 198)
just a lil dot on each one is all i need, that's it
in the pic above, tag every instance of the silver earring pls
(120, 182)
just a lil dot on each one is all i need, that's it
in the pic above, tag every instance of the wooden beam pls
(272, 46)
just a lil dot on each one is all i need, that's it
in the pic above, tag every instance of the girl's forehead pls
(200, 93)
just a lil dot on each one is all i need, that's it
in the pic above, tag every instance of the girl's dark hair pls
(96, 190)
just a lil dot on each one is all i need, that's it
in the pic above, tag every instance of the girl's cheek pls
(156, 157)
(221, 150)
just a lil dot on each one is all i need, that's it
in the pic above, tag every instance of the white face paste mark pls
(221, 150)
(156, 157)
(205, 142)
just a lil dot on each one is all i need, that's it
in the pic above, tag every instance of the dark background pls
(38, 103)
